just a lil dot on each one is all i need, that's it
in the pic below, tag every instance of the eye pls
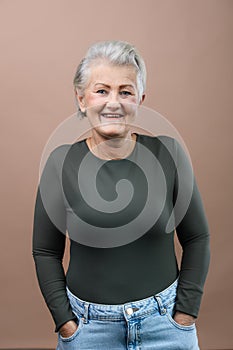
(101, 91)
(125, 93)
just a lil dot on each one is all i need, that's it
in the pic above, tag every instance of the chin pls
(112, 131)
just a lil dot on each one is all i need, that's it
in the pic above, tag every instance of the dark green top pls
(120, 216)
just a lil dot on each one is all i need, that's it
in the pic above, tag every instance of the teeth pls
(111, 115)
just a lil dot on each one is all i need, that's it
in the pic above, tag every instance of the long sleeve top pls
(120, 216)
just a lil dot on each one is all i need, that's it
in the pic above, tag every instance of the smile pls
(112, 115)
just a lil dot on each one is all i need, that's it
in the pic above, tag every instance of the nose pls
(113, 102)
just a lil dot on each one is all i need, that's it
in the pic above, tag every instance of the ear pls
(142, 99)
(81, 100)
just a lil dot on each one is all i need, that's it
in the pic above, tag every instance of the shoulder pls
(159, 142)
(60, 152)
(159, 139)
(166, 147)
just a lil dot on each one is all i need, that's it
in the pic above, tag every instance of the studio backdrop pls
(187, 46)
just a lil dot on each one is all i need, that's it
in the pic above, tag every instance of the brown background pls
(187, 46)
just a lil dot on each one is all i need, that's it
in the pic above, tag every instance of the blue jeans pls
(136, 325)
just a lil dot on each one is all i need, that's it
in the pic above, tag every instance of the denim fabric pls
(137, 325)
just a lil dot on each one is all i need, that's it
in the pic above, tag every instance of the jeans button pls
(129, 311)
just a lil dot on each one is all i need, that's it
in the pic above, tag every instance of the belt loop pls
(162, 309)
(85, 315)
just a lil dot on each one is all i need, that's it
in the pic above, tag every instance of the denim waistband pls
(129, 310)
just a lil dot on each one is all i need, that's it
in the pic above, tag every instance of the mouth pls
(111, 116)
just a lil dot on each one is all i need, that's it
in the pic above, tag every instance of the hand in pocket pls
(68, 329)
(183, 319)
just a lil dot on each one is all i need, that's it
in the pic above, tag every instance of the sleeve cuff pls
(58, 325)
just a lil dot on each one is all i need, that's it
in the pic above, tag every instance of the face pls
(110, 99)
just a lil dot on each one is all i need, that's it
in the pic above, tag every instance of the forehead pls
(112, 74)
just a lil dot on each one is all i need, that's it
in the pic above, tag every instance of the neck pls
(112, 148)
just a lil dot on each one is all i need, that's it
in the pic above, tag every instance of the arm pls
(49, 243)
(193, 235)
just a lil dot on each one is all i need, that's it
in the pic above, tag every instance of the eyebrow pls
(121, 86)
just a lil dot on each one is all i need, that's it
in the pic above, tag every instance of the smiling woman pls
(114, 193)
(110, 101)
(109, 86)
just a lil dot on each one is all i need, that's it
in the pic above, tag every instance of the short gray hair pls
(117, 53)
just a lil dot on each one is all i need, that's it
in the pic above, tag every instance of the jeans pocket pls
(75, 334)
(170, 313)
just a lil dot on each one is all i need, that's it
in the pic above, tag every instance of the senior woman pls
(123, 288)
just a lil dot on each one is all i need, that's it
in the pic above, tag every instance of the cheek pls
(92, 99)
(131, 100)
(131, 105)
(94, 104)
